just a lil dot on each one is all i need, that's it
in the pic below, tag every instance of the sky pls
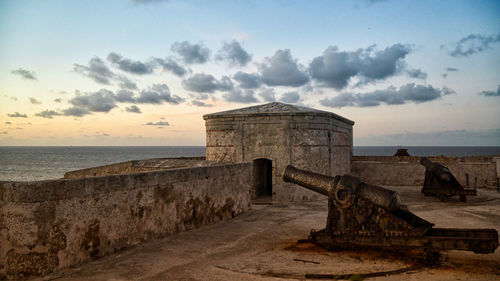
(144, 72)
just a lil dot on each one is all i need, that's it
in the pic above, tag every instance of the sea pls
(29, 163)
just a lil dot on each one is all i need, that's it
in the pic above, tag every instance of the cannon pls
(440, 182)
(365, 215)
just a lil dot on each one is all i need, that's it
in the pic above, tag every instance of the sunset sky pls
(144, 72)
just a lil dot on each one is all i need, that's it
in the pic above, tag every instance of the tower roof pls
(275, 108)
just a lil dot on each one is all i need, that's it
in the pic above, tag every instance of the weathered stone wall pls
(138, 166)
(315, 142)
(407, 170)
(47, 225)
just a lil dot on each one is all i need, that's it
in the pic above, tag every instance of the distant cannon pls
(440, 182)
(365, 215)
(402, 152)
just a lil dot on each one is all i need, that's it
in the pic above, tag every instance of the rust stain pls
(90, 241)
(304, 247)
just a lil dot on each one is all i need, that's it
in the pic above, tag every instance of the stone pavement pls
(262, 245)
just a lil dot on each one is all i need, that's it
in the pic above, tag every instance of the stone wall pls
(138, 166)
(315, 142)
(48, 225)
(393, 170)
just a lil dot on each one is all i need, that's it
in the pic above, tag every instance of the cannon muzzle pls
(426, 163)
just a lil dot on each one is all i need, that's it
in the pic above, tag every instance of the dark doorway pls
(262, 177)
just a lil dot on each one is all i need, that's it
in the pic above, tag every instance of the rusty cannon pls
(365, 215)
(440, 182)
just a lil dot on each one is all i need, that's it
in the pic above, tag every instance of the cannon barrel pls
(343, 187)
(434, 167)
(383, 197)
(428, 164)
(440, 171)
(316, 182)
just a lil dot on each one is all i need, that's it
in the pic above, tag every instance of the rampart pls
(138, 166)
(407, 170)
(48, 225)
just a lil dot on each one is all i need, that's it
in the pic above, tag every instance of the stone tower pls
(276, 134)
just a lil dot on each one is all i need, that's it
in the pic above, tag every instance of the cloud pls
(268, 94)
(334, 69)
(191, 53)
(105, 100)
(8, 123)
(157, 94)
(75, 111)
(98, 135)
(491, 93)
(35, 101)
(200, 103)
(206, 83)
(138, 2)
(159, 123)
(17, 115)
(9, 97)
(26, 74)
(282, 70)
(58, 100)
(125, 83)
(4, 133)
(390, 96)
(96, 70)
(248, 80)
(448, 69)
(416, 73)
(373, 2)
(100, 101)
(200, 96)
(241, 96)
(127, 65)
(125, 96)
(290, 97)
(234, 54)
(472, 44)
(171, 65)
(308, 89)
(48, 114)
(133, 109)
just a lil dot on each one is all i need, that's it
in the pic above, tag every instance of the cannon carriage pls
(360, 214)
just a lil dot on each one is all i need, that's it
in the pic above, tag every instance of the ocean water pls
(24, 163)
(27, 163)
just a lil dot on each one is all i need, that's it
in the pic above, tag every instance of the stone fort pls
(90, 213)
(275, 135)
